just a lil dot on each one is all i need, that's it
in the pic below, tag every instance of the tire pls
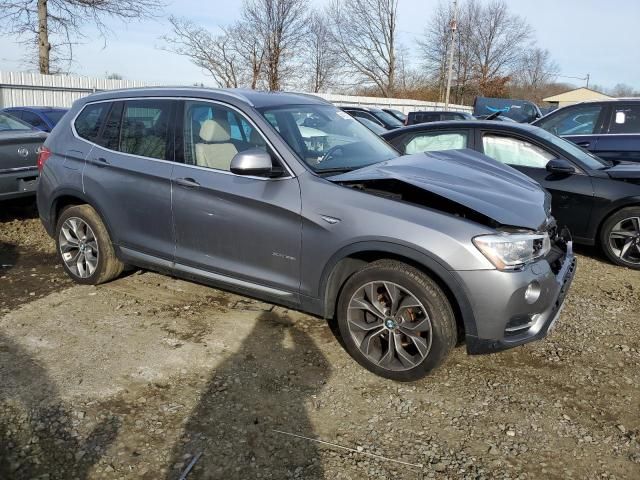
(620, 237)
(424, 325)
(81, 234)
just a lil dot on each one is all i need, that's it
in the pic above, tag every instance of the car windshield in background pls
(7, 122)
(387, 118)
(588, 159)
(55, 115)
(328, 139)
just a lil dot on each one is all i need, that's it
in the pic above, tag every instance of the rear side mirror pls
(254, 161)
(560, 165)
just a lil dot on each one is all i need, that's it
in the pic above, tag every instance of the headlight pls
(511, 251)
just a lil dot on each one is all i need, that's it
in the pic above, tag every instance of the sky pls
(583, 36)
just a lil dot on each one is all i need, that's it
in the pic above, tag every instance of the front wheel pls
(396, 321)
(620, 237)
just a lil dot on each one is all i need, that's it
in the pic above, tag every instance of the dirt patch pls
(134, 378)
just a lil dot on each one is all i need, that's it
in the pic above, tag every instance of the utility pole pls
(587, 80)
(454, 27)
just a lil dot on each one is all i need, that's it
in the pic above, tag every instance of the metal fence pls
(34, 89)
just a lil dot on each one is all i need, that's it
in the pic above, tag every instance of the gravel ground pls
(135, 378)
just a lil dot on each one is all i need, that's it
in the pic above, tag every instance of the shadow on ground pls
(18, 209)
(37, 436)
(267, 385)
(9, 256)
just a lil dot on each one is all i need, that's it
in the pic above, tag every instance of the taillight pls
(43, 156)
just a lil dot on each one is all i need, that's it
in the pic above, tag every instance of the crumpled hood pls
(470, 179)
(624, 170)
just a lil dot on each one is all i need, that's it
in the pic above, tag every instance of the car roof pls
(38, 109)
(254, 98)
(438, 111)
(364, 109)
(461, 124)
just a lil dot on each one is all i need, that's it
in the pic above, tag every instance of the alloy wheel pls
(78, 247)
(389, 325)
(624, 240)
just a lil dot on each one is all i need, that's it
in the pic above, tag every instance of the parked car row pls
(287, 198)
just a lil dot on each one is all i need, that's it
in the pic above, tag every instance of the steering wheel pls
(330, 152)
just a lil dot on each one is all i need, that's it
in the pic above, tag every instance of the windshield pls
(387, 118)
(7, 122)
(588, 159)
(327, 139)
(55, 115)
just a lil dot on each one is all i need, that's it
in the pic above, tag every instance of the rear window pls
(626, 119)
(55, 115)
(145, 128)
(8, 122)
(90, 120)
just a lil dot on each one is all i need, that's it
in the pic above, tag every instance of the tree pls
(320, 59)
(365, 33)
(623, 90)
(497, 38)
(213, 53)
(536, 69)
(56, 25)
(487, 48)
(280, 27)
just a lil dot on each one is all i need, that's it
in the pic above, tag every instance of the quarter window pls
(626, 119)
(145, 128)
(436, 141)
(213, 134)
(580, 120)
(90, 120)
(513, 151)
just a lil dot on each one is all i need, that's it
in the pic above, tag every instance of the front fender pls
(432, 265)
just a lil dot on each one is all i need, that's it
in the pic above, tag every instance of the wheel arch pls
(617, 207)
(350, 259)
(67, 198)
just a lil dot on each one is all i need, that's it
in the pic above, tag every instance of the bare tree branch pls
(365, 33)
(56, 25)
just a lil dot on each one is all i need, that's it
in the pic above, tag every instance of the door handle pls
(187, 182)
(101, 162)
(583, 144)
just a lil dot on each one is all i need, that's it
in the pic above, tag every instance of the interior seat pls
(215, 150)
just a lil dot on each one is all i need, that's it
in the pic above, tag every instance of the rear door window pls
(626, 119)
(90, 120)
(146, 128)
(33, 119)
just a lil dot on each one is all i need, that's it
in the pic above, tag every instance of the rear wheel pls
(396, 321)
(620, 237)
(84, 246)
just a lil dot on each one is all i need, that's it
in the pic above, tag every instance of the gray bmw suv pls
(287, 198)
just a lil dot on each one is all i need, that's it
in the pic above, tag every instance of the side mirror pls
(560, 165)
(254, 161)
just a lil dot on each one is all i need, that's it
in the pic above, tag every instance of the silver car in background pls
(286, 198)
(19, 148)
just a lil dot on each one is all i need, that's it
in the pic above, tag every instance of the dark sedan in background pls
(42, 118)
(609, 129)
(20, 144)
(598, 200)
(436, 116)
(375, 115)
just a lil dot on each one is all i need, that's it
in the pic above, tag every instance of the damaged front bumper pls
(507, 314)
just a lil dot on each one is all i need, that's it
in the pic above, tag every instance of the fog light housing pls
(532, 294)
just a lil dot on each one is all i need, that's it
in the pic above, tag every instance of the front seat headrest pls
(213, 130)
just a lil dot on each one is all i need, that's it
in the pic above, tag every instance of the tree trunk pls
(44, 47)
